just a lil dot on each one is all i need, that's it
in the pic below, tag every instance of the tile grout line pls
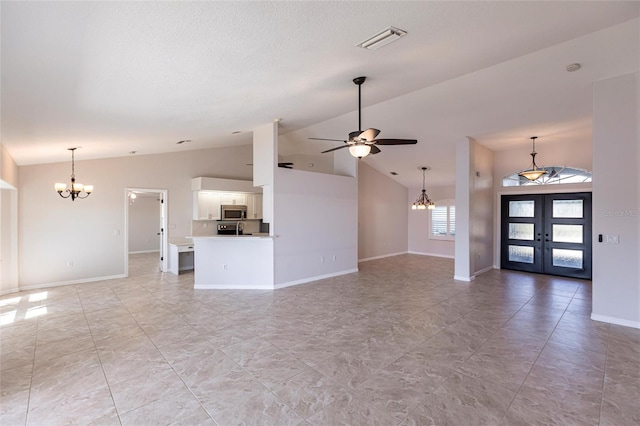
(84, 313)
(162, 355)
(541, 350)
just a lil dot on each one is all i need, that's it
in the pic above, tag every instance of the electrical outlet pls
(70, 264)
(334, 257)
(321, 259)
(224, 266)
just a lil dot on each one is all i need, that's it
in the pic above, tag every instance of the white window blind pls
(443, 221)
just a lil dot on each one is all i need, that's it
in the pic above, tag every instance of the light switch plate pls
(613, 239)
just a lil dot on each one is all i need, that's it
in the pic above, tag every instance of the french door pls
(547, 234)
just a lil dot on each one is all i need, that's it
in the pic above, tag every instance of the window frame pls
(448, 203)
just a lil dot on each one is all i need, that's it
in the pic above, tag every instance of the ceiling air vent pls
(383, 38)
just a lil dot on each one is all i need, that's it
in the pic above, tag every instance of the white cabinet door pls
(254, 206)
(206, 205)
(214, 206)
(233, 198)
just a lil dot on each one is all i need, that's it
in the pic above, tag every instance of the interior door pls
(547, 233)
(161, 233)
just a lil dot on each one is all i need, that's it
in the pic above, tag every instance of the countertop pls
(246, 236)
(186, 241)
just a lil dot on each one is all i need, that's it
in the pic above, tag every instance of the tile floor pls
(399, 343)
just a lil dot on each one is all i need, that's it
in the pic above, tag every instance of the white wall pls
(419, 223)
(474, 209)
(144, 224)
(551, 152)
(8, 223)
(382, 214)
(616, 200)
(88, 234)
(316, 228)
(482, 210)
(8, 168)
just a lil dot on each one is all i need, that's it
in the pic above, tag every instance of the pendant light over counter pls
(423, 202)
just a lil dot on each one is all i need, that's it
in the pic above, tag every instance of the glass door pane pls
(567, 258)
(524, 208)
(568, 208)
(522, 254)
(521, 231)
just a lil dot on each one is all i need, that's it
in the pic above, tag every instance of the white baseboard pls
(269, 286)
(144, 251)
(71, 282)
(446, 256)
(9, 291)
(614, 320)
(232, 287)
(465, 279)
(482, 271)
(316, 278)
(366, 259)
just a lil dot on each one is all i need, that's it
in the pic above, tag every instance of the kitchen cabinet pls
(254, 206)
(181, 257)
(233, 198)
(206, 205)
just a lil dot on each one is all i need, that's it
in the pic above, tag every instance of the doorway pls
(151, 221)
(547, 234)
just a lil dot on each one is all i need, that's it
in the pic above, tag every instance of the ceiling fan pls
(362, 143)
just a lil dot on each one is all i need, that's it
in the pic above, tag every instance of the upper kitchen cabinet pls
(254, 206)
(211, 193)
(230, 198)
(206, 205)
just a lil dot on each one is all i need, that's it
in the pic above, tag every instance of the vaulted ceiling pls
(116, 77)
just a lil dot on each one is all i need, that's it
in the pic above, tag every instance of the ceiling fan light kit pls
(383, 38)
(360, 150)
(77, 190)
(533, 172)
(423, 202)
(362, 143)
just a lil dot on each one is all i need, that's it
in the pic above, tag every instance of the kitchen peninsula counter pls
(234, 262)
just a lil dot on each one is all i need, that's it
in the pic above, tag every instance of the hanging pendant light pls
(423, 202)
(77, 190)
(533, 173)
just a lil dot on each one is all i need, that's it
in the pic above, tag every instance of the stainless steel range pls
(230, 228)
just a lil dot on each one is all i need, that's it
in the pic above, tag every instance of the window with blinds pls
(443, 221)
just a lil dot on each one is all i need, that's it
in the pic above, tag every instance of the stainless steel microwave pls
(233, 212)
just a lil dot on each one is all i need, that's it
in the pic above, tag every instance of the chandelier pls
(423, 202)
(77, 190)
(533, 172)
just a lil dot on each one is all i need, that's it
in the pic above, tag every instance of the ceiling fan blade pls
(395, 141)
(369, 134)
(374, 149)
(333, 149)
(333, 140)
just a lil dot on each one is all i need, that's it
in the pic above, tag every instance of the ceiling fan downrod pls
(359, 81)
